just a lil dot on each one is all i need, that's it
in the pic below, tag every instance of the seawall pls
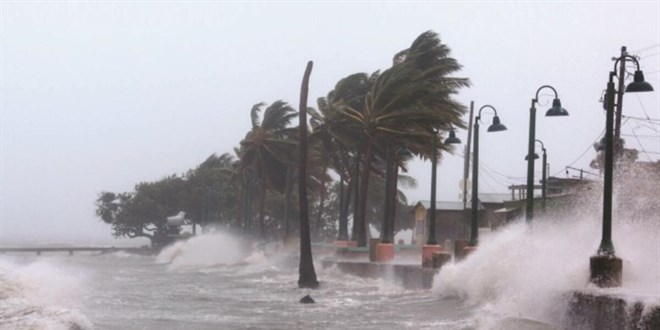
(602, 311)
(412, 277)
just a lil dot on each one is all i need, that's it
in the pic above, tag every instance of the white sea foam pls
(528, 271)
(203, 251)
(40, 295)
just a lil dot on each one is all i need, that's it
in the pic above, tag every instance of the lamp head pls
(556, 109)
(452, 139)
(404, 152)
(600, 146)
(639, 85)
(536, 156)
(496, 126)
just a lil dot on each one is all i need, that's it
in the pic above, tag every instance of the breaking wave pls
(39, 295)
(528, 272)
(209, 250)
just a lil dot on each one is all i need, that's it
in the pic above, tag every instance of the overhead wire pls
(646, 56)
(650, 120)
(642, 106)
(644, 48)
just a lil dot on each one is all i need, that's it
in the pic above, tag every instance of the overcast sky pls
(99, 96)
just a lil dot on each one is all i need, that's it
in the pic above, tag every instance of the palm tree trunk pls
(364, 184)
(246, 205)
(343, 210)
(306, 272)
(356, 197)
(319, 216)
(262, 203)
(287, 196)
(385, 227)
(393, 200)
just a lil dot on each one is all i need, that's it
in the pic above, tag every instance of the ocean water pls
(519, 278)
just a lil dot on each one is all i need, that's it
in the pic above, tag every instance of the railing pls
(71, 250)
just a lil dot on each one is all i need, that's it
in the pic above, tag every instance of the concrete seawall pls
(600, 311)
(412, 277)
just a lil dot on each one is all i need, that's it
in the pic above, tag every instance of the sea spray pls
(529, 272)
(204, 250)
(40, 295)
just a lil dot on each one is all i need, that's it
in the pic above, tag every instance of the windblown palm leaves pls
(406, 103)
(210, 186)
(267, 149)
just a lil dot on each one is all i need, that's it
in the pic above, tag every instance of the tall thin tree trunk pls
(356, 197)
(306, 272)
(319, 216)
(343, 218)
(262, 215)
(385, 226)
(364, 185)
(287, 196)
(246, 205)
(394, 199)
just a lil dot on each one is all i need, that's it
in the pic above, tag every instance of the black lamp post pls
(452, 139)
(638, 85)
(556, 110)
(606, 268)
(495, 127)
(544, 174)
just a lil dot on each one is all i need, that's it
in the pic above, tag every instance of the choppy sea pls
(519, 278)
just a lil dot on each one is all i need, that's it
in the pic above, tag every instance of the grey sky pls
(99, 96)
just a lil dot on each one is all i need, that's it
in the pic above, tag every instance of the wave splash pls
(529, 272)
(207, 250)
(39, 296)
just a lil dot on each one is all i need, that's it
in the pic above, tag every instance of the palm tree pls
(210, 191)
(332, 136)
(306, 272)
(406, 103)
(265, 151)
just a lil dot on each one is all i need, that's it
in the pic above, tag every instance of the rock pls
(307, 300)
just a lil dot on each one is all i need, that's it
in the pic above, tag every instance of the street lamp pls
(432, 243)
(544, 185)
(606, 268)
(496, 126)
(556, 110)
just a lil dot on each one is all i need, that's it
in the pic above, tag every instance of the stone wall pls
(605, 312)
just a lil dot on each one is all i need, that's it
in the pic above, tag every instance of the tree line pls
(361, 136)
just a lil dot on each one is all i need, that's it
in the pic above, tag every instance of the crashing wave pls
(31, 297)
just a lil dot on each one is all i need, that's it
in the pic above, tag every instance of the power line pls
(642, 105)
(641, 58)
(643, 136)
(642, 119)
(641, 145)
(645, 48)
(506, 176)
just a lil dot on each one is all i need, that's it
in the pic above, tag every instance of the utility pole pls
(619, 100)
(466, 164)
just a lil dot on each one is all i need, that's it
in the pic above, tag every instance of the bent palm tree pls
(267, 148)
(306, 272)
(406, 103)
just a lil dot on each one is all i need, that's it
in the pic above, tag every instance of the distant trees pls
(144, 212)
